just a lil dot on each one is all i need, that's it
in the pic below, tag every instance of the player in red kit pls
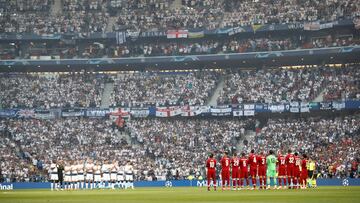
(281, 169)
(253, 167)
(244, 162)
(235, 171)
(290, 162)
(304, 172)
(262, 170)
(211, 171)
(297, 169)
(225, 171)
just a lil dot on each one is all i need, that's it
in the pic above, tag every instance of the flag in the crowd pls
(256, 27)
(120, 112)
(120, 37)
(196, 34)
(168, 111)
(191, 110)
(171, 34)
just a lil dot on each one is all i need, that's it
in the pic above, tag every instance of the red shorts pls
(225, 175)
(282, 171)
(244, 174)
(262, 171)
(235, 174)
(253, 172)
(304, 174)
(297, 172)
(211, 175)
(291, 171)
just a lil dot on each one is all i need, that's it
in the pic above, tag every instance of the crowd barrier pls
(173, 183)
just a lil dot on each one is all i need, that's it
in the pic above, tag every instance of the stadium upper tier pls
(194, 88)
(173, 148)
(45, 16)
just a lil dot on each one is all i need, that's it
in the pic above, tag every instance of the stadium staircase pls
(213, 99)
(105, 99)
(56, 8)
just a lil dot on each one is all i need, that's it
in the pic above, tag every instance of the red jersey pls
(290, 160)
(297, 162)
(225, 164)
(281, 161)
(244, 162)
(303, 166)
(235, 163)
(253, 161)
(211, 164)
(261, 160)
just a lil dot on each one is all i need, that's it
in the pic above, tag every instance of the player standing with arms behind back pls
(225, 171)
(262, 170)
(290, 162)
(297, 171)
(271, 168)
(211, 171)
(235, 171)
(304, 172)
(253, 168)
(281, 169)
(244, 170)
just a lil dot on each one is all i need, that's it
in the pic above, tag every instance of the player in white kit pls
(67, 179)
(81, 178)
(120, 177)
(106, 173)
(89, 168)
(113, 173)
(53, 173)
(129, 175)
(97, 174)
(74, 177)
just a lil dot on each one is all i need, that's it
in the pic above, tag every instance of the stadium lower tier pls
(162, 149)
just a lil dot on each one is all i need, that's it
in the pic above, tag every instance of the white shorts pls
(120, 177)
(106, 176)
(74, 178)
(113, 176)
(80, 177)
(67, 178)
(97, 178)
(89, 176)
(129, 177)
(54, 177)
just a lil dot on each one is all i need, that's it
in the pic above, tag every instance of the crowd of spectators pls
(280, 85)
(51, 91)
(142, 89)
(332, 142)
(93, 15)
(171, 148)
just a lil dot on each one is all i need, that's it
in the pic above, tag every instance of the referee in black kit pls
(60, 174)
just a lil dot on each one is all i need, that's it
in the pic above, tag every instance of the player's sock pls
(279, 180)
(234, 183)
(253, 181)
(247, 182)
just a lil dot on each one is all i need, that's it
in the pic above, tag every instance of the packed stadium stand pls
(162, 83)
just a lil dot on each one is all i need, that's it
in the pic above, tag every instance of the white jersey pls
(120, 174)
(106, 173)
(97, 173)
(129, 173)
(67, 171)
(74, 173)
(53, 172)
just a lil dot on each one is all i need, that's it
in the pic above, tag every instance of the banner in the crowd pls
(313, 26)
(140, 112)
(221, 111)
(7, 113)
(168, 111)
(73, 112)
(45, 114)
(172, 34)
(185, 111)
(120, 37)
(96, 112)
(191, 111)
(196, 34)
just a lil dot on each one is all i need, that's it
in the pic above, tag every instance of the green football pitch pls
(185, 194)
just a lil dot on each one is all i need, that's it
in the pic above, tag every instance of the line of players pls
(290, 171)
(88, 174)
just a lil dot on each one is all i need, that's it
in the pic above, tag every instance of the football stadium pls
(179, 101)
